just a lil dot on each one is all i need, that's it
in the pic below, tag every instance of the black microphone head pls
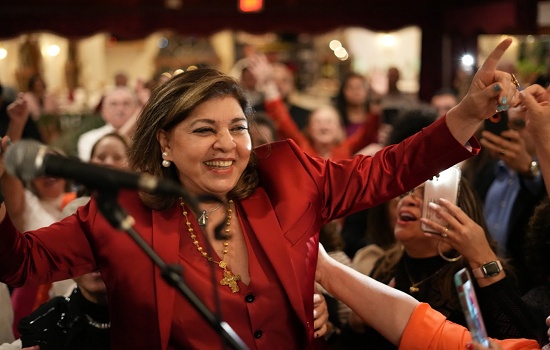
(24, 159)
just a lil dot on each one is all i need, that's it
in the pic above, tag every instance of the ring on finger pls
(444, 233)
(515, 81)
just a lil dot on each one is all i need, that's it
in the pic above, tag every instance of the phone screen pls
(470, 307)
(445, 185)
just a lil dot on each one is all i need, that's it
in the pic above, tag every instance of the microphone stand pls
(118, 218)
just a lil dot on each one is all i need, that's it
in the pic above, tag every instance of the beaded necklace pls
(95, 324)
(229, 278)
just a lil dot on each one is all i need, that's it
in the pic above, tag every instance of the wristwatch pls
(487, 270)
(534, 169)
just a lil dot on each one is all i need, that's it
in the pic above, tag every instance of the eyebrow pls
(213, 122)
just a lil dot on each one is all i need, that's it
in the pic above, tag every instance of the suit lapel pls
(261, 217)
(166, 235)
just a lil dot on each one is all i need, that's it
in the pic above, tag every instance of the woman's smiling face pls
(210, 148)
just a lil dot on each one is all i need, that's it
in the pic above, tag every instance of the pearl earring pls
(166, 163)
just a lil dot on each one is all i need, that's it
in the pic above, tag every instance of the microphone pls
(29, 159)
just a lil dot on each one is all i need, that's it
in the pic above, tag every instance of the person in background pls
(331, 239)
(264, 131)
(536, 255)
(324, 134)
(31, 206)
(30, 130)
(443, 100)
(352, 102)
(248, 81)
(284, 80)
(121, 79)
(112, 150)
(372, 229)
(81, 320)
(40, 102)
(272, 202)
(511, 185)
(401, 319)
(394, 98)
(424, 267)
(119, 110)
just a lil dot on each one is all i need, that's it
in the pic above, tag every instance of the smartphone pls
(497, 123)
(445, 185)
(470, 307)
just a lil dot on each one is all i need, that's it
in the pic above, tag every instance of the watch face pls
(491, 269)
(534, 169)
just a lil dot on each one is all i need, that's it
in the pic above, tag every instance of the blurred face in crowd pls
(407, 227)
(516, 121)
(211, 147)
(284, 79)
(443, 103)
(92, 287)
(38, 86)
(111, 151)
(248, 81)
(49, 187)
(261, 134)
(355, 91)
(324, 126)
(119, 105)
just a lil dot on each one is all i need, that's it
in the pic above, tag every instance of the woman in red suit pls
(272, 202)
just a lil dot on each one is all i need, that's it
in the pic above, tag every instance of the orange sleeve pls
(428, 329)
(67, 197)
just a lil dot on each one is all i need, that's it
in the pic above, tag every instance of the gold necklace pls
(414, 285)
(229, 278)
(203, 219)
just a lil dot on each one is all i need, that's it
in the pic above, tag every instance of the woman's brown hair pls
(169, 105)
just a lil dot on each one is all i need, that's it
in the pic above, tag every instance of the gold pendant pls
(230, 280)
(413, 289)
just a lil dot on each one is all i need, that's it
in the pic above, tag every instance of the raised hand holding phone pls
(470, 307)
(443, 186)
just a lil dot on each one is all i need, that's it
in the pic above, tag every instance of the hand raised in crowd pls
(262, 70)
(490, 90)
(536, 102)
(18, 111)
(510, 147)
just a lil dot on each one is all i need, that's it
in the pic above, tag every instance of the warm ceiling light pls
(335, 44)
(388, 40)
(52, 50)
(173, 4)
(251, 5)
(3, 53)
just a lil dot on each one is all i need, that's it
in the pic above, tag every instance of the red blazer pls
(296, 196)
